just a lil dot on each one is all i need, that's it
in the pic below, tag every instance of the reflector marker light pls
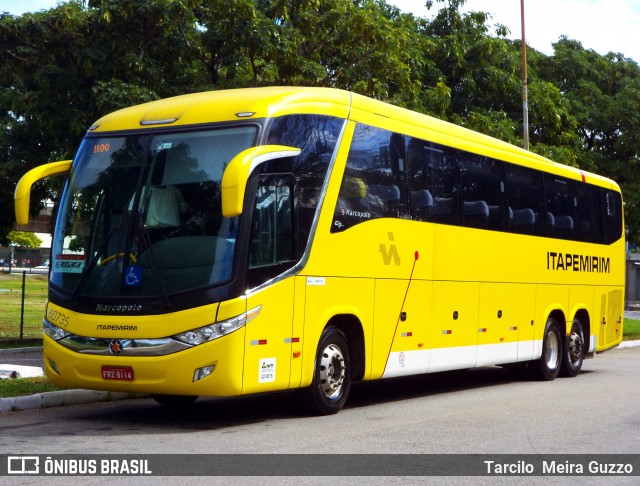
(513, 328)
(407, 334)
(482, 329)
(584, 179)
(258, 342)
(291, 340)
(164, 121)
(447, 331)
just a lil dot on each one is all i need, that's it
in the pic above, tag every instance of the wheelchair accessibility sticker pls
(133, 276)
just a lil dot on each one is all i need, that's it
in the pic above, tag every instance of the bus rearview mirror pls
(22, 194)
(236, 174)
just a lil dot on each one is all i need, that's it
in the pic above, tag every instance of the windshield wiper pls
(144, 229)
(92, 265)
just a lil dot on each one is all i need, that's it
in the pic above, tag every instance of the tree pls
(603, 92)
(64, 68)
(24, 239)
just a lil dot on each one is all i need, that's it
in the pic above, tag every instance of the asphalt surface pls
(25, 362)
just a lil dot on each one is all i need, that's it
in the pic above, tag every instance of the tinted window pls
(272, 228)
(525, 200)
(391, 175)
(612, 209)
(483, 202)
(434, 183)
(561, 206)
(374, 182)
(316, 136)
(590, 207)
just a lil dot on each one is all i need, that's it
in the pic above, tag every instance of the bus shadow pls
(424, 386)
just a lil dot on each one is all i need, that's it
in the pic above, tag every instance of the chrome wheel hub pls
(332, 370)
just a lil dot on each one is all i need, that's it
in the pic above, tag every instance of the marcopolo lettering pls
(356, 214)
(573, 262)
(118, 308)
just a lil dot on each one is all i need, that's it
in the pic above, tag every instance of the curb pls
(627, 344)
(57, 398)
(12, 351)
(61, 398)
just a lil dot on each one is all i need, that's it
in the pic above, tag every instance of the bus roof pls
(227, 105)
(266, 102)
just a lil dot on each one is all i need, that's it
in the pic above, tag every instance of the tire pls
(573, 353)
(175, 401)
(331, 383)
(547, 367)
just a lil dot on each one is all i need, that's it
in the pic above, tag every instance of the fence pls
(23, 296)
(22, 257)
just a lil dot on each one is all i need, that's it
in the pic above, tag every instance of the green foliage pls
(65, 67)
(24, 239)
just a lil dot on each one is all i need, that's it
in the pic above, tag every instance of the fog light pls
(203, 372)
(54, 366)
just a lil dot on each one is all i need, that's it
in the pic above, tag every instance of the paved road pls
(481, 411)
(22, 357)
(462, 412)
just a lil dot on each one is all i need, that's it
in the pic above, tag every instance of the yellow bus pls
(253, 240)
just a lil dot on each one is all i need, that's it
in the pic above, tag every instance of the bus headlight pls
(54, 332)
(214, 331)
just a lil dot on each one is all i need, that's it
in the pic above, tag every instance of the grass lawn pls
(25, 386)
(35, 298)
(631, 330)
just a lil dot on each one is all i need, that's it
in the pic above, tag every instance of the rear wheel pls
(573, 354)
(548, 366)
(331, 383)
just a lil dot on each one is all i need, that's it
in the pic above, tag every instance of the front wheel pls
(548, 366)
(331, 383)
(573, 354)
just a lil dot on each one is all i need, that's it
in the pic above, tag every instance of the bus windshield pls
(141, 214)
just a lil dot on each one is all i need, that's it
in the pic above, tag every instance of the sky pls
(602, 25)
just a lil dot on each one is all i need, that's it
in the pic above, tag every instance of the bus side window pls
(590, 213)
(561, 207)
(525, 198)
(374, 182)
(482, 186)
(272, 232)
(444, 185)
(612, 209)
(316, 136)
(433, 184)
(421, 199)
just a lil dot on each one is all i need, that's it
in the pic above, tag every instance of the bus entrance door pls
(268, 339)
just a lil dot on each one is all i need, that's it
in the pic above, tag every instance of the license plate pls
(119, 373)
